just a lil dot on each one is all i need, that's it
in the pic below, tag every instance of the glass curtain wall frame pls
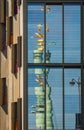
(56, 77)
(64, 65)
(82, 61)
(63, 58)
(82, 31)
(52, 118)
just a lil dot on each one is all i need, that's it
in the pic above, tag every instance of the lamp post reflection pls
(78, 115)
(72, 83)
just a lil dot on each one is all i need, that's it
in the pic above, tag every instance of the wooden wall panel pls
(9, 30)
(14, 59)
(2, 13)
(19, 51)
(3, 66)
(16, 28)
(19, 2)
(16, 86)
(19, 113)
(2, 119)
(12, 7)
(3, 47)
(1, 30)
(1, 92)
(13, 114)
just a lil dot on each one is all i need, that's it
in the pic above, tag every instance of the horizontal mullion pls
(55, 1)
(36, 1)
(72, 65)
(63, 1)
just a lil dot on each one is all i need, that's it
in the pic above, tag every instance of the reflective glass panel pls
(54, 32)
(72, 85)
(35, 33)
(54, 84)
(36, 107)
(72, 41)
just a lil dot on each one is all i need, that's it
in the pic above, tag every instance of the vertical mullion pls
(63, 63)
(45, 62)
(44, 33)
(81, 33)
(63, 99)
(82, 90)
(27, 69)
(63, 33)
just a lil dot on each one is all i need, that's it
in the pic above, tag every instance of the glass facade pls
(34, 96)
(35, 28)
(72, 33)
(54, 36)
(55, 82)
(54, 77)
(72, 96)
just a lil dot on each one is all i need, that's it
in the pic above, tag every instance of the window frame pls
(64, 65)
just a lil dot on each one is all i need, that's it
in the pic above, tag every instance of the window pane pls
(54, 81)
(35, 33)
(82, 22)
(72, 33)
(72, 98)
(36, 96)
(54, 32)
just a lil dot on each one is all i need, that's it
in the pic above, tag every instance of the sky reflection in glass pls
(72, 45)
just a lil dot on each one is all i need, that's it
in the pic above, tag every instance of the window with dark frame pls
(54, 65)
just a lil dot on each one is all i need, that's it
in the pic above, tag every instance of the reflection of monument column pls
(39, 91)
(49, 122)
(38, 56)
(38, 59)
(40, 94)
